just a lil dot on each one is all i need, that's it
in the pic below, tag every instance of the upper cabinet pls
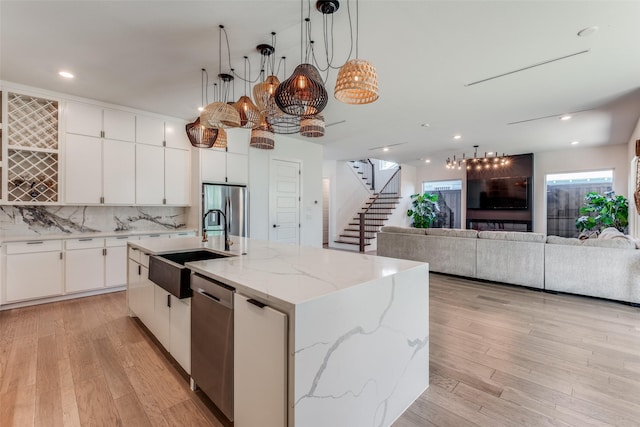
(99, 155)
(92, 120)
(230, 165)
(32, 166)
(154, 131)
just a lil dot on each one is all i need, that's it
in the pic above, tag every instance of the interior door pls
(284, 201)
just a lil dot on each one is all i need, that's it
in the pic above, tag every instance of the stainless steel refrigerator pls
(233, 201)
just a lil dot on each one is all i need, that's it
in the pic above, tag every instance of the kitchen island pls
(356, 330)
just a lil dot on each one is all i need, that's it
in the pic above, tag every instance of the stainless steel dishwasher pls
(212, 341)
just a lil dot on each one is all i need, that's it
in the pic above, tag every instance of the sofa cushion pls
(596, 243)
(452, 232)
(406, 230)
(513, 236)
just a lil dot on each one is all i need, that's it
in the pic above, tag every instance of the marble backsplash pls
(17, 221)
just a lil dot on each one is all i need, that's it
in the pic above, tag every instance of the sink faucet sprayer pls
(227, 241)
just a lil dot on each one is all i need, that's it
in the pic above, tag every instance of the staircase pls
(376, 211)
(362, 228)
(365, 170)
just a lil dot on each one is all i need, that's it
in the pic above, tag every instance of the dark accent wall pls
(504, 219)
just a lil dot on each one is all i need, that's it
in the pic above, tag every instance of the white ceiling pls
(148, 55)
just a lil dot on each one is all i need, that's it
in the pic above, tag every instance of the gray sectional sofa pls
(600, 268)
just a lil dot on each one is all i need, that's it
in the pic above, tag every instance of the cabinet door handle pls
(169, 301)
(60, 255)
(256, 303)
(139, 270)
(35, 243)
(104, 252)
(85, 240)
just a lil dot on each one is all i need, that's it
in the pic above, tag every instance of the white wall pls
(571, 160)
(310, 157)
(408, 186)
(347, 196)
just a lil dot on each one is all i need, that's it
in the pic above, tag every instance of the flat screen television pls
(498, 193)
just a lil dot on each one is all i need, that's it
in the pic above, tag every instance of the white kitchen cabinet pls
(260, 383)
(175, 135)
(149, 130)
(99, 171)
(34, 270)
(115, 261)
(83, 169)
(161, 316)
(237, 168)
(162, 175)
(118, 172)
(149, 175)
(93, 120)
(140, 293)
(177, 176)
(213, 165)
(180, 332)
(155, 131)
(83, 119)
(220, 166)
(84, 265)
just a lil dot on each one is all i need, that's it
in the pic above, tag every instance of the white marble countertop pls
(97, 235)
(285, 274)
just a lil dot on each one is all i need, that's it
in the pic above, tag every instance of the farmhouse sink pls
(168, 270)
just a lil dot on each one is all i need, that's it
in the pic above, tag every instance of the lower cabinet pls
(168, 318)
(34, 270)
(260, 364)
(84, 265)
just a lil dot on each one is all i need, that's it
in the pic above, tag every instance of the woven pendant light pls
(357, 83)
(302, 94)
(220, 115)
(263, 94)
(284, 124)
(312, 126)
(221, 140)
(262, 137)
(249, 114)
(200, 136)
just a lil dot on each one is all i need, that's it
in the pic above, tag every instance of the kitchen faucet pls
(227, 241)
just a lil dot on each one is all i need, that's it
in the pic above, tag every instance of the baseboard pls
(62, 297)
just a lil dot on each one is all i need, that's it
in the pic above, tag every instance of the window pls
(384, 165)
(449, 199)
(565, 196)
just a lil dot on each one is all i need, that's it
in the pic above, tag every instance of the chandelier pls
(293, 105)
(488, 161)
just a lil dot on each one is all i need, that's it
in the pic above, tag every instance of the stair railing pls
(366, 170)
(391, 187)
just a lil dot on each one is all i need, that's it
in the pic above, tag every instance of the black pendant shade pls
(302, 94)
(199, 136)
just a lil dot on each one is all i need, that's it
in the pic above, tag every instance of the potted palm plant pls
(424, 209)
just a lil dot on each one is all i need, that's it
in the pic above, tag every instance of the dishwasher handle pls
(208, 295)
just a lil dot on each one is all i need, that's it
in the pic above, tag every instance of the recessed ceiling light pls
(575, 142)
(565, 117)
(588, 31)
(66, 74)
(200, 108)
(457, 136)
(490, 153)
(427, 161)
(385, 149)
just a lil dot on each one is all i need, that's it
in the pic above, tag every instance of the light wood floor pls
(500, 356)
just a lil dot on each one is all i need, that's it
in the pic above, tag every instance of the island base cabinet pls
(180, 332)
(260, 365)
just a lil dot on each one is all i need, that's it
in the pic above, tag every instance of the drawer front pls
(113, 242)
(144, 259)
(134, 254)
(34, 246)
(84, 243)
